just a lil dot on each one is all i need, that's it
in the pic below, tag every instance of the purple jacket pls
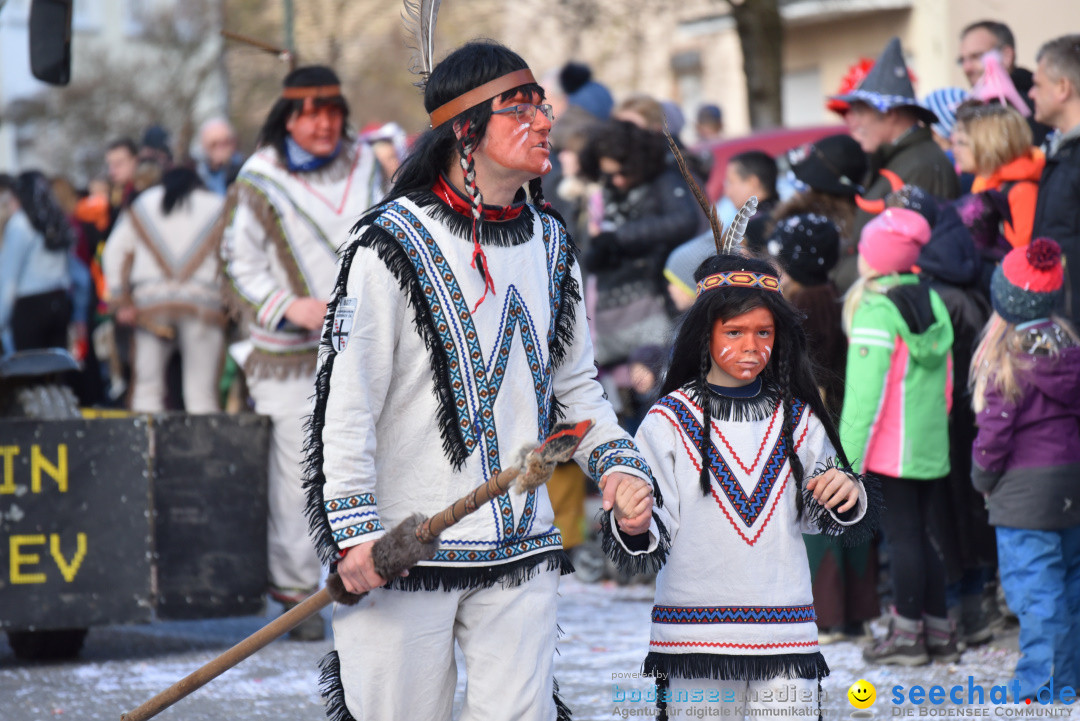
(1027, 454)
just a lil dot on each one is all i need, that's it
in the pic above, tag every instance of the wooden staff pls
(411, 541)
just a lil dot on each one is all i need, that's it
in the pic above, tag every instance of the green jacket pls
(895, 420)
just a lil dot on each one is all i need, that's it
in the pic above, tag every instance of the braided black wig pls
(468, 67)
(790, 369)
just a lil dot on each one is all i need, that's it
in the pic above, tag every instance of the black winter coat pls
(1057, 215)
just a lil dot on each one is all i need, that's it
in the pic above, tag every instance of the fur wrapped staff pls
(413, 540)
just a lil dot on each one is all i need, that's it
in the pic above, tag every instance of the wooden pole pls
(256, 641)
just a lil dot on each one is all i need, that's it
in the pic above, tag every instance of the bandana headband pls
(474, 97)
(739, 279)
(315, 92)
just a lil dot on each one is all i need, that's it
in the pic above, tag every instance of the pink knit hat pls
(891, 242)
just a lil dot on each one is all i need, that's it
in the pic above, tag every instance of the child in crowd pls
(1025, 377)
(844, 578)
(895, 424)
(743, 452)
(752, 174)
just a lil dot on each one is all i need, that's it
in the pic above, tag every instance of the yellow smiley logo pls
(862, 694)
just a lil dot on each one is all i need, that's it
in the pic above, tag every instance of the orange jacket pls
(1023, 173)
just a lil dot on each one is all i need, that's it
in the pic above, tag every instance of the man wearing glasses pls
(458, 336)
(979, 38)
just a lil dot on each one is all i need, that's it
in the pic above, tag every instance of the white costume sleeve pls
(359, 381)
(119, 246)
(817, 453)
(245, 252)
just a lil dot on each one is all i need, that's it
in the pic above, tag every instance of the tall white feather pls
(736, 230)
(419, 18)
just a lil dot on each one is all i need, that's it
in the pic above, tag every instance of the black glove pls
(602, 253)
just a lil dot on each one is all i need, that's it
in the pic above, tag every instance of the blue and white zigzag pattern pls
(733, 614)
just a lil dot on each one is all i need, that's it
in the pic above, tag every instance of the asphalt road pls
(605, 632)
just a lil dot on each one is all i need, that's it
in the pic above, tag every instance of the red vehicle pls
(774, 142)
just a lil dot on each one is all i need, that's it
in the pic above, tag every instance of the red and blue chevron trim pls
(748, 507)
(733, 614)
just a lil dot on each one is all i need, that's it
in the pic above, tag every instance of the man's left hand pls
(631, 497)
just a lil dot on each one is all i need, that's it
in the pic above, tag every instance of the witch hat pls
(888, 86)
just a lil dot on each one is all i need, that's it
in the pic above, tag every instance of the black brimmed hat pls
(888, 86)
(835, 165)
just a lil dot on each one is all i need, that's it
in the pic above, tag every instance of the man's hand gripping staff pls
(413, 540)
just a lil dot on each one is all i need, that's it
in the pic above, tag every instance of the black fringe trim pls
(397, 261)
(331, 689)
(508, 575)
(566, 315)
(859, 533)
(314, 478)
(633, 564)
(736, 667)
(724, 408)
(562, 711)
(500, 233)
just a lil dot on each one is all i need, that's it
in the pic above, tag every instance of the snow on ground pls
(605, 631)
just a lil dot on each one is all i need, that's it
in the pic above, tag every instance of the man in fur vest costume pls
(456, 337)
(289, 211)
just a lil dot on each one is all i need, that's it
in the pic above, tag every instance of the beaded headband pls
(739, 279)
(303, 92)
(477, 95)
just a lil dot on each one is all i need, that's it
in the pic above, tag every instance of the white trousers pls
(201, 346)
(294, 566)
(396, 650)
(775, 698)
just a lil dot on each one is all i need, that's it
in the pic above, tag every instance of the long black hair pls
(273, 131)
(179, 183)
(35, 195)
(468, 67)
(790, 369)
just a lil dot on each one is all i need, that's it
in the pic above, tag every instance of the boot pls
(977, 622)
(941, 639)
(903, 644)
(956, 617)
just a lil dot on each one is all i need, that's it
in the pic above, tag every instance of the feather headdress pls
(726, 242)
(419, 18)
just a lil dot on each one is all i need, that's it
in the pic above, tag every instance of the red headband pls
(474, 97)
(303, 92)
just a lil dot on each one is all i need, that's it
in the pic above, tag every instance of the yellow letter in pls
(39, 463)
(18, 558)
(8, 453)
(69, 570)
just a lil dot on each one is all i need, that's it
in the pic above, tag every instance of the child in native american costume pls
(746, 459)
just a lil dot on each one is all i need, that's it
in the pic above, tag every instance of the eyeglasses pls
(972, 57)
(526, 112)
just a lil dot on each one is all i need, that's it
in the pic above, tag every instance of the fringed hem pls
(724, 408)
(856, 534)
(498, 233)
(263, 364)
(508, 575)
(725, 667)
(562, 711)
(629, 563)
(267, 215)
(331, 688)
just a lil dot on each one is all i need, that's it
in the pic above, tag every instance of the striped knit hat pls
(943, 102)
(1028, 282)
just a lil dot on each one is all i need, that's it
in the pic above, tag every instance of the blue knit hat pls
(1028, 283)
(943, 102)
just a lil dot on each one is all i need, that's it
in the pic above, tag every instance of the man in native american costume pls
(288, 213)
(457, 337)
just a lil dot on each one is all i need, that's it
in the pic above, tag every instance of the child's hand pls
(833, 487)
(632, 500)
